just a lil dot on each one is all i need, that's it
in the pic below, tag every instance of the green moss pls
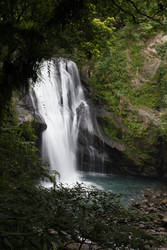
(110, 128)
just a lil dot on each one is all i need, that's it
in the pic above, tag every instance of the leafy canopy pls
(35, 29)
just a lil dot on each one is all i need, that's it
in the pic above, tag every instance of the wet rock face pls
(103, 155)
(26, 112)
(40, 121)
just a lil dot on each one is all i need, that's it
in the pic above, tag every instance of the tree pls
(31, 26)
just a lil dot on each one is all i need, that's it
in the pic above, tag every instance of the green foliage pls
(21, 170)
(8, 114)
(161, 49)
(42, 219)
(40, 29)
(160, 86)
(32, 217)
(19, 160)
(122, 87)
(137, 59)
(111, 128)
(25, 217)
(28, 131)
(111, 76)
(99, 217)
(145, 96)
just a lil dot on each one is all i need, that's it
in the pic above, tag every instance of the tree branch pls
(125, 11)
(143, 14)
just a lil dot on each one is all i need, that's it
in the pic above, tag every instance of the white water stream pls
(61, 103)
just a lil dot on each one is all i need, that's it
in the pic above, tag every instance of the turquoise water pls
(131, 187)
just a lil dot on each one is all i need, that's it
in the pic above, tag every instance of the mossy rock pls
(130, 83)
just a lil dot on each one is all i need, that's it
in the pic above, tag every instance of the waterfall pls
(61, 103)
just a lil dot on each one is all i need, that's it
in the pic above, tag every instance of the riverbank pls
(154, 205)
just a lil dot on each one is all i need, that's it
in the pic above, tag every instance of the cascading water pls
(61, 103)
(59, 99)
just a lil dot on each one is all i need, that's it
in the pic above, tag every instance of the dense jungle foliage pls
(32, 217)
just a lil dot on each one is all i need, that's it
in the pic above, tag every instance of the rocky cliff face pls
(130, 91)
(99, 152)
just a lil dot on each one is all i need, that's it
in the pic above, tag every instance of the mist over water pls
(61, 103)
